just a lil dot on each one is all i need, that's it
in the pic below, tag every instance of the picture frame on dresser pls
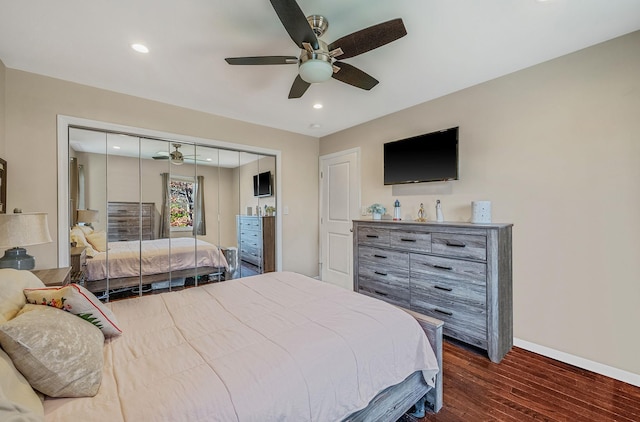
(460, 273)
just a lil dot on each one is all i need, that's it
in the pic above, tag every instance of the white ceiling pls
(451, 44)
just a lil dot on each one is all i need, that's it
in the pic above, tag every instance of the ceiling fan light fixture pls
(315, 71)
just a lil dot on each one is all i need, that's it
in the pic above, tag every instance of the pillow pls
(79, 301)
(18, 401)
(60, 355)
(12, 283)
(98, 240)
(77, 235)
(85, 229)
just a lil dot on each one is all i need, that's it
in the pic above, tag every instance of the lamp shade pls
(24, 229)
(88, 216)
(315, 71)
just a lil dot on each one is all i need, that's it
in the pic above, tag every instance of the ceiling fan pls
(318, 60)
(176, 156)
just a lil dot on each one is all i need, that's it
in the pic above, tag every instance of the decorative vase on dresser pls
(459, 273)
(257, 241)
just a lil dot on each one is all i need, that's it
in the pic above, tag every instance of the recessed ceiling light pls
(314, 126)
(209, 159)
(317, 106)
(116, 147)
(140, 48)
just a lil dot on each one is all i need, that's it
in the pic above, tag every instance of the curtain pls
(199, 225)
(165, 213)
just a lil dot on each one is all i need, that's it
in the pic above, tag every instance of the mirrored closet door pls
(151, 215)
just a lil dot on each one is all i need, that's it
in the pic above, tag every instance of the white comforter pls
(133, 258)
(274, 347)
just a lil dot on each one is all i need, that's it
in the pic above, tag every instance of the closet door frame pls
(63, 172)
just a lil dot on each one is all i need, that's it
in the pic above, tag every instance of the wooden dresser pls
(459, 273)
(257, 241)
(130, 220)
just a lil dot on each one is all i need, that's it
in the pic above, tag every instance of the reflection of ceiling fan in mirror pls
(176, 156)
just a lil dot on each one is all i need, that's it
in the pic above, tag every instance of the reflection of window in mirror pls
(182, 203)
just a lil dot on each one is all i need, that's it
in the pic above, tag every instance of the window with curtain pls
(183, 205)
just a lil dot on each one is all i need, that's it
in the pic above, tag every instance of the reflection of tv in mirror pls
(262, 184)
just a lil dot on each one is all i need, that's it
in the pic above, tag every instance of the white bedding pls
(133, 258)
(274, 347)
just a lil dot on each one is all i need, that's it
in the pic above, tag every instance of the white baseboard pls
(598, 368)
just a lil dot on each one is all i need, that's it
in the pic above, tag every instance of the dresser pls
(130, 220)
(257, 241)
(460, 273)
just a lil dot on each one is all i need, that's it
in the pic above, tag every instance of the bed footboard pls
(433, 329)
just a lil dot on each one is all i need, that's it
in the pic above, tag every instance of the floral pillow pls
(78, 301)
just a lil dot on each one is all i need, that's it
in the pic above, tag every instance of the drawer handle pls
(446, 289)
(456, 244)
(408, 240)
(379, 273)
(442, 267)
(440, 311)
(378, 292)
(379, 256)
(372, 236)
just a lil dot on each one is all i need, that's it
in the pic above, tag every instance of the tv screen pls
(262, 184)
(424, 158)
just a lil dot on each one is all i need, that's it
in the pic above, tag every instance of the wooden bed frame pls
(395, 401)
(97, 286)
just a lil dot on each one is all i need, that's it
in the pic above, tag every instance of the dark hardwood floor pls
(528, 387)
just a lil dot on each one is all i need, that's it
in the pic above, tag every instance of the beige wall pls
(33, 103)
(556, 148)
(245, 175)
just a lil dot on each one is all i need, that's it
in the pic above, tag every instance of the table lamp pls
(17, 230)
(87, 217)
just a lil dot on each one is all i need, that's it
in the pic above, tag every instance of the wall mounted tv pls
(262, 184)
(425, 158)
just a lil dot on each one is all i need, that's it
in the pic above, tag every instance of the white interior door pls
(340, 204)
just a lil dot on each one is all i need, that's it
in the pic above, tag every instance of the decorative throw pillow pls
(18, 401)
(12, 284)
(79, 301)
(78, 236)
(60, 355)
(98, 240)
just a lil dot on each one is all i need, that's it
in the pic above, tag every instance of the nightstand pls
(54, 276)
(78, 262)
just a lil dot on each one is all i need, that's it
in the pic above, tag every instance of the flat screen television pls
(262, 184)
(425, 158)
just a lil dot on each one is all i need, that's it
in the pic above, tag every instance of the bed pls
(277, 346)
(126, 265)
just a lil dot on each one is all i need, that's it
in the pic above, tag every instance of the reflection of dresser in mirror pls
(257, 242)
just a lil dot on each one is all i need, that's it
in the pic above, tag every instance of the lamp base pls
(17, 258)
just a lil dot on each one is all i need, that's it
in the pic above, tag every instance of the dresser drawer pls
(250, 254)
(249, 234)
(459, 245)
(468, 324)
(460, 294)
(382, 258)
(373, 236)
(389, 284)
(416, 241)
(249, 223)
(448, 269)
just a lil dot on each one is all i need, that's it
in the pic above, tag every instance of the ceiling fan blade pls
(295, 22)
(369, 38)
(160, 157)
(298, 88)
(259, 60)
(353, 76)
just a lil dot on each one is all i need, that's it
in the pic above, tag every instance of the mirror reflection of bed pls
(152, 215)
